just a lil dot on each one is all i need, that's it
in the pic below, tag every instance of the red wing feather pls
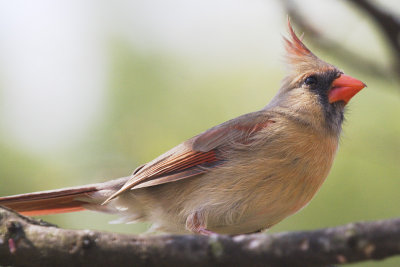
(178, 163)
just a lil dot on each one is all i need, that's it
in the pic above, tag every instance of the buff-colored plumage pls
(242, 176)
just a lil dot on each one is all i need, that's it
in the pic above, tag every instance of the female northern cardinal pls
(241, 176)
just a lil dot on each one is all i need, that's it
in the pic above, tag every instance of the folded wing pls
(198, 154)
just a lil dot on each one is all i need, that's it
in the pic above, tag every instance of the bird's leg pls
(196, 224)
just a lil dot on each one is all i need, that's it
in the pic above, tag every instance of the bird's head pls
(314, 83)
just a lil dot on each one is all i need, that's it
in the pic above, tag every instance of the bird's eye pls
(310, 80)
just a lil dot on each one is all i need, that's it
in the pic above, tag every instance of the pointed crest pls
(295, 46)
(299, 58)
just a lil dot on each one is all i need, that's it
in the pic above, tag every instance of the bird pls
(242, 176)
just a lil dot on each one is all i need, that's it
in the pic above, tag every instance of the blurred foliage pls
(156, 102)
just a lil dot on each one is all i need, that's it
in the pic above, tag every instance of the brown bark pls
(28, 242)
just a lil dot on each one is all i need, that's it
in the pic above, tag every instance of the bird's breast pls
(292, 176)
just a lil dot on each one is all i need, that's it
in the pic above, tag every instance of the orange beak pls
(344, 88)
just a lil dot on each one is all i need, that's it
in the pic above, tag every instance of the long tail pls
(63, 200)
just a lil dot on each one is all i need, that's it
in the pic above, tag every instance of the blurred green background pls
(151, 93)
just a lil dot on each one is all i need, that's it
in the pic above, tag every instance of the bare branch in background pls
(28, 242)
(388, 23)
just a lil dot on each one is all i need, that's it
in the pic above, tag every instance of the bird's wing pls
(198, 154)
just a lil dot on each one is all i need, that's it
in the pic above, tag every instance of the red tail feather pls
(49, 202)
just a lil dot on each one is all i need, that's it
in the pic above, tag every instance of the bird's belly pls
(251, 214)
(261, 212)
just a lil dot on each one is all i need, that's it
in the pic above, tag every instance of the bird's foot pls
(204, 231)
(196, 224)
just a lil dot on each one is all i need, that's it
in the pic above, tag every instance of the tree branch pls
(388, 22)
(28, 242)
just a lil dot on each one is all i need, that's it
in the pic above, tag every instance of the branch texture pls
(28, 242)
